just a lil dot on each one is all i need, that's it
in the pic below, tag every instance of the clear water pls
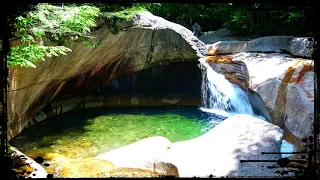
(287, 147)
(94, 131)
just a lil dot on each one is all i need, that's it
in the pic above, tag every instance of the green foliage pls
(209, 16)
(57, 23)
(240, 18)
(10, 150)
(27, 55)
(295, 17)
(237, 19)
(114, 18)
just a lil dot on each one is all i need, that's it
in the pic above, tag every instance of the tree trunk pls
(259, 19)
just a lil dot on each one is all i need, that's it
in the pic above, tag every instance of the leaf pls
(30, 64)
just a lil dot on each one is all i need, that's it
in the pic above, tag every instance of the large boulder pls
(296, 46)
(142, 154)
(147, 41)
(219, 151)
(290, 98)
(286, 86)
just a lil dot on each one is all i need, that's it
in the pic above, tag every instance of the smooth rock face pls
(301, 47)
(146, 19)
(142, 154)
(286, 86)
(151, 41)
(158, 86)
(291, 103)
(219, 151)
(258, 105)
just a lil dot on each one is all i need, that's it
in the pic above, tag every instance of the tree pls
(56, 23)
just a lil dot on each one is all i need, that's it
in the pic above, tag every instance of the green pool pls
(91, 132)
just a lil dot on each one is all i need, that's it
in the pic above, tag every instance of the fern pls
(57, 23)
(114, 18)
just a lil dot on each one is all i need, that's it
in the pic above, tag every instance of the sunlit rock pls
(38, 170)
(286, 85)
(142, 154)
(291, 103)
(301, 47)
(219, 151)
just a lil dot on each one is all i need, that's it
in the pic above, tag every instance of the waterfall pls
(221, 97)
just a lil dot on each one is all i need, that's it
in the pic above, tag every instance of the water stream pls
(220, 97)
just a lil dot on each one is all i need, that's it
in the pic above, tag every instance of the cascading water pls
(221, 97)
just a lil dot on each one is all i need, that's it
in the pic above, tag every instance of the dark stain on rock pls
(91, 79)
(39, 160)
(42, 99)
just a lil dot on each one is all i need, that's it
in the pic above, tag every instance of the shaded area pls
(177, 80)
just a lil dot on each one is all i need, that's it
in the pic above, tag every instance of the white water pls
(221, 97)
